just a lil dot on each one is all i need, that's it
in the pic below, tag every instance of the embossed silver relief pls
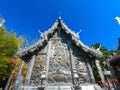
(38, 73)
(80, 71)
(59, 65)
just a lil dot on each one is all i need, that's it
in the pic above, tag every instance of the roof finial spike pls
(59, 15)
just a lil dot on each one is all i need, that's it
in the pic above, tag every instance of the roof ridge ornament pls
(41, 33)
(98, 49)
(59, 16)
(78, 34)
(60, 21)
(79, 31)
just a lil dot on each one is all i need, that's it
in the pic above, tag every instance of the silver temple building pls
(58, 61)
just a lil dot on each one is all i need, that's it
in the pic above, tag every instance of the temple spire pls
(59, 19)
(59, 16)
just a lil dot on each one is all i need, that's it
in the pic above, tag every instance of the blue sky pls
(96, 18)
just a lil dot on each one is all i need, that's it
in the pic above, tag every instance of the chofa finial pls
(59, 15)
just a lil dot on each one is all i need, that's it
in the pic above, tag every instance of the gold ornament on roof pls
(60, 59)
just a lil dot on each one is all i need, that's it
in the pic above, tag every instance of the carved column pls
(100, 71)
(48, 55)
(8, 82)
(73, 60)
(47, 64)
(30, 67)
(75, 77)
(92, 79)
(17, 82)
(70, 55)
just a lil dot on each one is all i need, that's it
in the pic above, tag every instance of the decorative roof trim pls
(44, 38)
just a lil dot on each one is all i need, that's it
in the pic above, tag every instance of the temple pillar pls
(97, 62)
(47, 64)
(70, 55)
(18, 81)
(48, 57)
(92, 79)
(75, 77)
(30, 67)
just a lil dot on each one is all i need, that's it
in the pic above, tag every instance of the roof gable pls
(48, 34)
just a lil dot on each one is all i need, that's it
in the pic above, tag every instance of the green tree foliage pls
(9, 45)
(106, 54)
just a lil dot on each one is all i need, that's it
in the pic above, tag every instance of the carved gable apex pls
(47, 35)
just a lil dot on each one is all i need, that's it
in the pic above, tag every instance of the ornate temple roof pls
(47, 34)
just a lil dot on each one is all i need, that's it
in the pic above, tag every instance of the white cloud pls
(1, 21)
(117, 19)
